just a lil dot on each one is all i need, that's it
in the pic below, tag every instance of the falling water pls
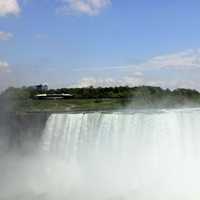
(141, 155)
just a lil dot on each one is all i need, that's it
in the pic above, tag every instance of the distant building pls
(53, 96)
(40, 87)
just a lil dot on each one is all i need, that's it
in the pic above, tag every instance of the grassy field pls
(68, 105)
(71, 105)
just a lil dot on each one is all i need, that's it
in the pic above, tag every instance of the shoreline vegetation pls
(97, 99)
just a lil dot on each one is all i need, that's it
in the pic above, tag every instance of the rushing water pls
(106, 156)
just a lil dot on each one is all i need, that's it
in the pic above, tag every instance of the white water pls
(149, 155)
(111, 156)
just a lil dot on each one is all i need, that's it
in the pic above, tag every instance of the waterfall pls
(128, 155)
(135, 155)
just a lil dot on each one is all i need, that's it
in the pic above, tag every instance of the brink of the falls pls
(146, 155)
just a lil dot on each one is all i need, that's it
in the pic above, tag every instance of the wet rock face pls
(20, 129)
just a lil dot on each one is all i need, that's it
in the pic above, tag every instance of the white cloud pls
(4, 66)
(182, 60)
(110, 82)
(4, 36)
(9, 7)
(88, 7)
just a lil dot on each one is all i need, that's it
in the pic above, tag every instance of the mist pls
(117, 155)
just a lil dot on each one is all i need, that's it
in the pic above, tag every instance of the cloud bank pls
(9, 7)
(181, 69)
(70, 7)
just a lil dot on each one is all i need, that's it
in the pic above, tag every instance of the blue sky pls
(100, 42)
